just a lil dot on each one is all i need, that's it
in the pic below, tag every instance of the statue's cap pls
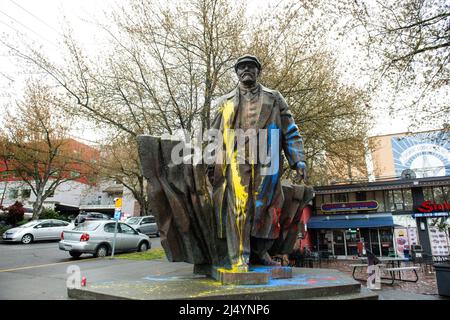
(247, 58)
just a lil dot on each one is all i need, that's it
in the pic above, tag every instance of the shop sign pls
(429, 206)
(430, 215)
(439, 241)
(349, 206)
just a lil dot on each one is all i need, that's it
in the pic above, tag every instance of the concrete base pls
(255, 275)
(228, 277)
(305, 283)
(275, 272)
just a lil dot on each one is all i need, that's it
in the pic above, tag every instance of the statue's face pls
(247, 72)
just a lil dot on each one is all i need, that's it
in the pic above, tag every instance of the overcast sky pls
(41, 20)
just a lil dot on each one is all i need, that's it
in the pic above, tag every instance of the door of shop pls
(387, 241)
(339, 243)
(352, 239)
(374, 242)
(365, 237)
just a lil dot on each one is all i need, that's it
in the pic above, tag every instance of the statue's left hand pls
(301, 172)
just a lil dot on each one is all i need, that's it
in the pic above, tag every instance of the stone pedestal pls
(274, 272)
(255, 275)
(227, 277)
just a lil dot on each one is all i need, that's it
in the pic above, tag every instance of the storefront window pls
(370, 195)
(438, 195)
(428, 194)
(399, 200)
(360, 196)
(340, 197)
(389, 200)
(318, 200)
(446, 191)
(407, 197)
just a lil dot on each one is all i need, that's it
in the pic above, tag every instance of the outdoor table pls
(392, 261)
(389, 264)
(389, 261)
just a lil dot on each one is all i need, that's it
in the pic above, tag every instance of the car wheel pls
(26, 239)
(75, 255)
(101, 252)
(143, 246)
(157, 234)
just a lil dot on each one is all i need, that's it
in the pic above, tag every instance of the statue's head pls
(247, 69)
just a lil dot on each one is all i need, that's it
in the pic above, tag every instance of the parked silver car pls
(46, 229)
(96, 237)
(146, 225)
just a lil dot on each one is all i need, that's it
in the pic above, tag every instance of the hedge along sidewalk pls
(152, 254)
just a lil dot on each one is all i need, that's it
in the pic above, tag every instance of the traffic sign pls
(117, 215)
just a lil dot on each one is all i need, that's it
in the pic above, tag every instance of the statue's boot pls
(268, 261)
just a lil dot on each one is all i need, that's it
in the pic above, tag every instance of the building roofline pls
(383, 185)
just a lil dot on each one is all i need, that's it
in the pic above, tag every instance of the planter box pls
(443, 278)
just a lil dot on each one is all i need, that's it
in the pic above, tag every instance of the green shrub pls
(22, 222)
(3, 229)
(52, 214)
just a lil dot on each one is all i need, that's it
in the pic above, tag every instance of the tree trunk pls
(37, 206)
(3, 193)
(144, 206)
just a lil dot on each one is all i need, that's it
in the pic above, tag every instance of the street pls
(39, 270)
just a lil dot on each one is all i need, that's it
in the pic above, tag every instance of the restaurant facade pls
(387, 217)
(399, 208)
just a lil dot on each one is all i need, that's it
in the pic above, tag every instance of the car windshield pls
(29, 224)
(87, 226)
(133, 220)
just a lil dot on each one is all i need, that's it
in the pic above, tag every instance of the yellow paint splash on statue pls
(241, 195)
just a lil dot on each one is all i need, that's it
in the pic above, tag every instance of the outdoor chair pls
(427, 263)
(327, 257)
(440, 259)
(311, 260)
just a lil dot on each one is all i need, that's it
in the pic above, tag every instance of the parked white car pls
(48, 229)
(146, 225)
